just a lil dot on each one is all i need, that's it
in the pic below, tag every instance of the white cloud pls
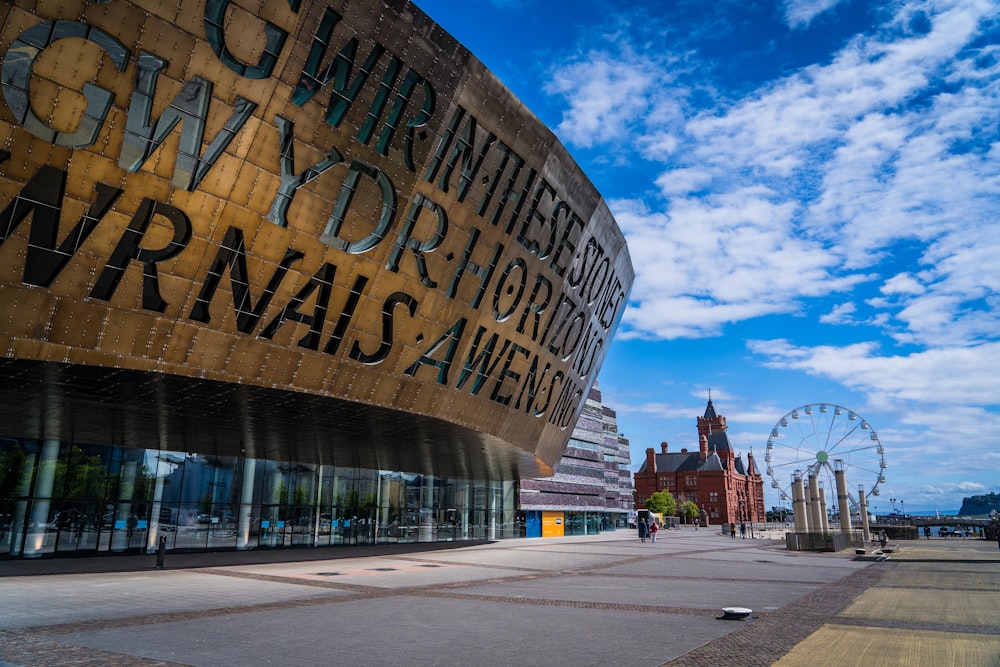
(958, 376)
(659, 146)
(812, 179)
(862, 190)
(683, 181)
(841, 314)
(800, 13)
(902, 283)
(606, 96)
(716, 260)
(971, 487)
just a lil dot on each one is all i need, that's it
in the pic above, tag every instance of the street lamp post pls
(865, 529)
(743, 510)
(893, 501)
(902, 508)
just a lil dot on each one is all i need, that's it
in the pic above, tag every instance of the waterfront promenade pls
(593, 600)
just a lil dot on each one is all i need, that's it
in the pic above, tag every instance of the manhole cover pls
(328, 574)
(430, 566)
(383, 569)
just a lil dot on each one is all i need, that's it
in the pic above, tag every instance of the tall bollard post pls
(161, 551)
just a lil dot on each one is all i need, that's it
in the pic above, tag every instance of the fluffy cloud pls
(808, 184)
(855, 197)
(902, 283)
(946, 376)
(841, 314)
(800, 13)
(606, 95)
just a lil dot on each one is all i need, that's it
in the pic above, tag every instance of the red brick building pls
(714, 476)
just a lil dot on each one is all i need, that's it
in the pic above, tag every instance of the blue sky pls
(810, 190)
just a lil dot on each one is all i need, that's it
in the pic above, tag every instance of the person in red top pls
(654, 528)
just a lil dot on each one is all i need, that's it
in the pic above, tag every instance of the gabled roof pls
(719, 440)
(713, 462)
(738, 465)
(675, 462)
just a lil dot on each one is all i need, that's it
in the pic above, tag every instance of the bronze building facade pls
(278, 273)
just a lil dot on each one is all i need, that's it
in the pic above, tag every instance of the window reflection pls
(61, 497)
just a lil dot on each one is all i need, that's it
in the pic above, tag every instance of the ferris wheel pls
(816, 440)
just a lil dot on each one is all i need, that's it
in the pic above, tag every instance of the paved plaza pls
(592, 600)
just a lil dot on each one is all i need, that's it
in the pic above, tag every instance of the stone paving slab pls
(955, 551)
(863, 647)
(759, 567)
(400, 631)
(946, 578)
(380, 573)
(552, 560)
(921, 605)
(655, 591)
(772, 553)
(34, 601)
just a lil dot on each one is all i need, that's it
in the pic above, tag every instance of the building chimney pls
(663, 447)
(703, 448)
(650, 460)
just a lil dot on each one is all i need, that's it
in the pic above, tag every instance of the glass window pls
(70, 497)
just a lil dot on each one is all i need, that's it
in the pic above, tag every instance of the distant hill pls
(979, 505)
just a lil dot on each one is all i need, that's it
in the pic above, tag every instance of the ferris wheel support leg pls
(824, 518)
(843, 506)
(800, 515)
(815, 521)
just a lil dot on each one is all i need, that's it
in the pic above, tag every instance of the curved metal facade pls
(318, 232)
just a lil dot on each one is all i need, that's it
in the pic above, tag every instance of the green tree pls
(12, 464)
(689, 510)
(662, 502)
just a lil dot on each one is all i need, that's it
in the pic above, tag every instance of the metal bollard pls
(161, 551)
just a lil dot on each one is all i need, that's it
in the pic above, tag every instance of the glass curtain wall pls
(60, 498)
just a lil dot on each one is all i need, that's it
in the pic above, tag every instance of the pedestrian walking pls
(732, 530)
(743, 530)
(654, 528)
(882, 539)
(642, 530)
